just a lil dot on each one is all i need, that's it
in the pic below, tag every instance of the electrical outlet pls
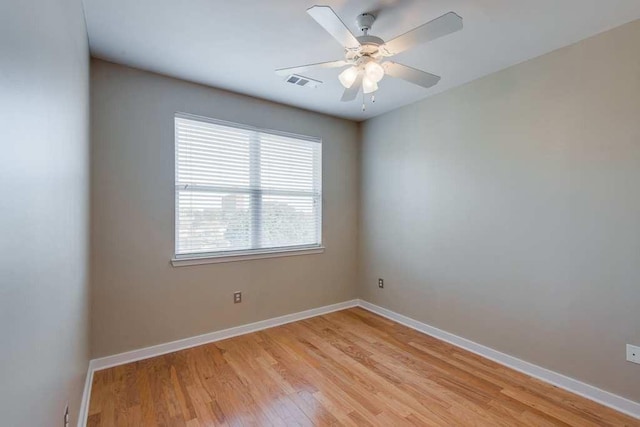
(380, 283)
(237, 297)
(66, 416)
(633, 353)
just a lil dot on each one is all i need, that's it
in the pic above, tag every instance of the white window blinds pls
(240, 189)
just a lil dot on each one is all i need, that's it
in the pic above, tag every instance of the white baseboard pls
(170, 347)
(587, 391)
(590, 392)
(86, 394)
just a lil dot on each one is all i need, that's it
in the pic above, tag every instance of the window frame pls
(187, 259)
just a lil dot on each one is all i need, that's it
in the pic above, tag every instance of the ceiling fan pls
(365, 55)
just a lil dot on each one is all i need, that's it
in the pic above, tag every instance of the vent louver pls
(299, 80)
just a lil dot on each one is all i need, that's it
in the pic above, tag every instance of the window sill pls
(216, 259)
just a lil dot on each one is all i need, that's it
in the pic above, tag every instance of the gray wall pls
(507, 211)
(44, 117)
(138, 298)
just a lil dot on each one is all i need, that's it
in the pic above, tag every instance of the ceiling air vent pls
(298, 80)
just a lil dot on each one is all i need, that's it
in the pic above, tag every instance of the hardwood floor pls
(346, 368)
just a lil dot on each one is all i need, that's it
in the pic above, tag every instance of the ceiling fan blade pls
(302, 68)
(327, 18)
(351, 92)
(446, 24)
(412, 75)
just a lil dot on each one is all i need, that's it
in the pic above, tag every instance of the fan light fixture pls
(348, 76)
(374, 71)
(369, 85)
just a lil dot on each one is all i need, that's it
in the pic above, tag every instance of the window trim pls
(220, 122)
(231, 256)
(180, 260)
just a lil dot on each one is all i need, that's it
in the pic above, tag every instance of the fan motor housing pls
(370, 40)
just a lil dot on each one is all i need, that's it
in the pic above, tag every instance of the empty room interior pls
(320, 213)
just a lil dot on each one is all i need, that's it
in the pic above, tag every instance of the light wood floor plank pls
(348, 368)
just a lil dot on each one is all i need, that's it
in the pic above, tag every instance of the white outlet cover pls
(633, 353)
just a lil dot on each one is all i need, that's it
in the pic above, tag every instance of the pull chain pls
(373, 101)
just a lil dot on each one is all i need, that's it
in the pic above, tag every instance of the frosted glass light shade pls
(374, 71)
(369, 85)
(348, 76)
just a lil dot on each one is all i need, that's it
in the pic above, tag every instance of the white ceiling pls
(236, 44)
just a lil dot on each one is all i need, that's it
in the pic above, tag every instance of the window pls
(245, 191)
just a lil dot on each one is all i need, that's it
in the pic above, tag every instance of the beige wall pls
(44, 117)
(507, 211)
(138, 298)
